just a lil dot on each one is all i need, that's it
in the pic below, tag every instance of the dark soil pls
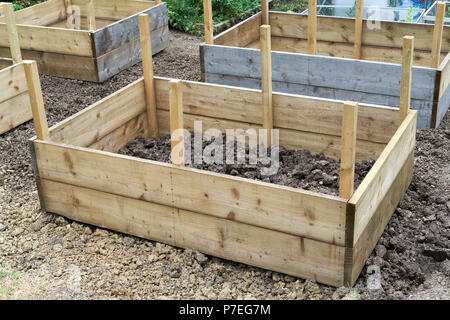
(54, 257)
(297, 168)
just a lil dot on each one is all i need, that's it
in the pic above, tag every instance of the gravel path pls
(47, 256)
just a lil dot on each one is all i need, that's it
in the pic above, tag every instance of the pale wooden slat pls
(14, 112)
(337, 29)
(436, 44)
(223, 238)
(41, 14)
(208, 21)
(312, 26)
(116, 9)
(406, 78)
(36, 100)
(290, 111)
(377, 182)
(91, 124)
(73, 42)
(12, 81)
(280, 208)
(241, 34)
(147, 69)
(359, 9)
(357, 254)
(13, 37)
(348, 150)
(176, 122)
(266, 83)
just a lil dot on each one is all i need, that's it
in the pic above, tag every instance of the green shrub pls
(186, 14)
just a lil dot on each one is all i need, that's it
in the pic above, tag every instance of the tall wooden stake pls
(358, 28)
(91, 15)
(265, 12)
(149, 80)
(13, 36)
(437, 35)
(36, 100)
(266, 81)
(176, 122)
(405, 83)
(348, 149)
(312, 27)
(208, 21)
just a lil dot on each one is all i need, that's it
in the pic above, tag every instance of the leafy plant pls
(290, 5)
(186, 15)
(409, 16)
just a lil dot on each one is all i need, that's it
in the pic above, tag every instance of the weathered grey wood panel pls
(123, 31)
(130, 54)
(321, 76)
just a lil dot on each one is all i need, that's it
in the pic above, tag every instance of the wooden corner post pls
(12, 32)
(36, 100)
(265, 12)
(149, 79)
(437, 35)
(176, 122)
(312, 27)
(208, 21)
(358, 28)
(266, 82)
(91, 15)
(405, 82)
(348, 149)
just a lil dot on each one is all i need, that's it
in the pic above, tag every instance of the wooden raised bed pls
(16, 92)
(336, 64)
(99, 49)
(301, 233)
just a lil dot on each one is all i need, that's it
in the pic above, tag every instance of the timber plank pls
(93, 123)
(116, 9)
(227, 239)
(358, 254)
(14, 112)
(12, 81)
(241, 34)
(290, 210)
(40, 14)
(295, 112)
(377, 182)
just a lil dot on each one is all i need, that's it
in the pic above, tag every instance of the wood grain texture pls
(227, 239)
(12, 81)
(406, 79)
(266, 83)
(241, 34)
(13, 37)
(357, 254)
(40, 14)
(14, 112)
(436, 44)
(290, 210)
(378, 181)
(348, 150)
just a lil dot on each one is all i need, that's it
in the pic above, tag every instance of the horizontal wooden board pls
(126, 30)
(241, 34)
(377, 182)
(115, 9)
(339, 29)
(296, 112)
(48, 39)
(356, 256)
(60, 65)
(345, 50)
(293, 139)
(40, 14)
(331, 72)
(129, 54)
(119, 137)
(290, 210)
(84, 25)
(12, 81)
(14, 112)
(93, 123)
(424, 108)
(227, 239)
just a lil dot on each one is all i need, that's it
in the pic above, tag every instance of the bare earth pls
(45, 256)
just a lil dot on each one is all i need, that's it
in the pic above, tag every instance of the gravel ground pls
(47, 256)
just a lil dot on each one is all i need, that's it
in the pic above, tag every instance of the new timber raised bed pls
(17, 88)
(105, 43)
(301, 233)
(336, 58)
